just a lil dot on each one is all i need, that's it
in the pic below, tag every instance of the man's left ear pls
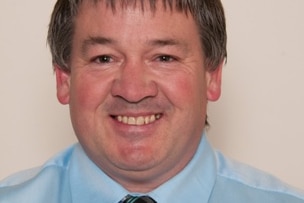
(214, 81)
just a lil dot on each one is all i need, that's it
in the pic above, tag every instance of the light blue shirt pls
(71, 177)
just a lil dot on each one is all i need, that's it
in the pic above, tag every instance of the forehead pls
(108, 9)
(137, 23)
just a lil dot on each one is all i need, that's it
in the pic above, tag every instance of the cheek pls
(184, 90)
(87, 92)
(188, 94)
(87, 96)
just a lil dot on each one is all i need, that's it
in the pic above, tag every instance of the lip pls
(133, 131)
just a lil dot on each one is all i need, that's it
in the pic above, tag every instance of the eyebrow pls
(163, 42)
(99, 40)
(96, 41)
(168, 42)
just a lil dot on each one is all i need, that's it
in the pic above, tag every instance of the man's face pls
(137, 90)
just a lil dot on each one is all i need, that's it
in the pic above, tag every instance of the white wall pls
(259, 119)
(33, 126)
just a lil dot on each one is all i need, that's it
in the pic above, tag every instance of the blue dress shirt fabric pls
(71, 177)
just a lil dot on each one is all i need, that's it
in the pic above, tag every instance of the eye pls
(103, 59)
(166, 58)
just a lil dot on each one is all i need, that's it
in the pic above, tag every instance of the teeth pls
(141, 120)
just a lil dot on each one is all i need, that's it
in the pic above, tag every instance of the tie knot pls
(137, 199)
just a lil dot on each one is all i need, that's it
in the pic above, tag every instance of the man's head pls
(137, 76)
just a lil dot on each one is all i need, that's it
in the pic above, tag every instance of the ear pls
(214, 81)
(62, 85)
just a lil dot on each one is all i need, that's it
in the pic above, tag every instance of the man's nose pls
(134, 83)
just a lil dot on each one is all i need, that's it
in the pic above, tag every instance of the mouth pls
(137, 120)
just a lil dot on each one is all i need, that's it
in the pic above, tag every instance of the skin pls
(137, 64)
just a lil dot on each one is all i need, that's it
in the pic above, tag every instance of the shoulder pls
(44, 180)
(242, 181)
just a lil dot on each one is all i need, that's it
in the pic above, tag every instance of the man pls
(137, 76)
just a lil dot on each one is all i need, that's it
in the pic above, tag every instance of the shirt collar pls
(194, 182)
(90, 184)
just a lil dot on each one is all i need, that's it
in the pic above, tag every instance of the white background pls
(259, 119)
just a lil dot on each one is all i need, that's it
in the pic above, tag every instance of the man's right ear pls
(62, 85)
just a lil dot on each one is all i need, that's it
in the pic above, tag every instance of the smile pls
(140, 120)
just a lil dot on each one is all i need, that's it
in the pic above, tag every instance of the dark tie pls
(137, 199)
